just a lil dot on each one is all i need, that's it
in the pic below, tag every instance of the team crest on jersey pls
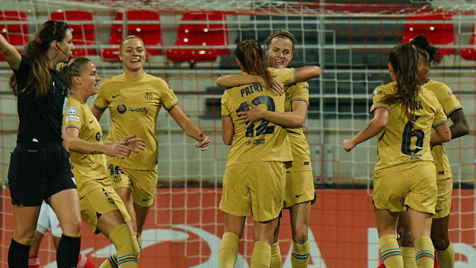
(71, 110)
(98, 136)
(148, 96)
(109, 199)
(377, 92)
(121, 108)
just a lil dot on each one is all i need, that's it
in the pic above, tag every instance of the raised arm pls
(189, 127)
(307, 72)
(377, 124)
(11, 54)
(233, 80)
(292, 119)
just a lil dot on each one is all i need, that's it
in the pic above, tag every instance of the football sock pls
(276, 259)
(300, 254)
(33, 262)
(67, 254)
(424, 252)
(228, 250)
(408, 254)
(261, 256)
(18, 254)
(446, 258)
(390, 252)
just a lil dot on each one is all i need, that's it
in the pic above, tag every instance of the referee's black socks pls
(18, 255)
(68, 252)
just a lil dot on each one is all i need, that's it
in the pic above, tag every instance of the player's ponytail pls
(404, 61)
(251, 56)
(427, 51)
(73, 68)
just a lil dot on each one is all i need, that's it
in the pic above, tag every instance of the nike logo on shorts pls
(298, 195)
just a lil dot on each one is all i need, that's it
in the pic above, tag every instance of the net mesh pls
(349, 40)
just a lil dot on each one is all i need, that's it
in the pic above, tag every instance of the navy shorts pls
(38, 171)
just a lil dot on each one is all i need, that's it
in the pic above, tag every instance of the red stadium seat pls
(437, 33)
(81, 23)
(470, 53)
(151, 34)
(204, 36)
(16, 34)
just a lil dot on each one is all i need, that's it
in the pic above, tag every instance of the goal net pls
(349, 39)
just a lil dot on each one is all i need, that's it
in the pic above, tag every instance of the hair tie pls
(37, 39)
(424, 53)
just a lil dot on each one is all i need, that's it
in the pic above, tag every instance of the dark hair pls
(251, 56)
(282, 34)
(404, 61)
(39, 81)
(129, 37)
(427, 51)
(73, 68)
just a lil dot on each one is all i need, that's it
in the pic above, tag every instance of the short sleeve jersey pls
(134, 105)
(40, 118)
(299, 144)
(86, 167)
(263, 140)
(401, 141)
(450, 103)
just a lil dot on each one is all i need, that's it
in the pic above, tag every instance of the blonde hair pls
(129, 37)
(73, 68)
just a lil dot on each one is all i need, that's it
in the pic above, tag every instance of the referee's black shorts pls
(38, 171)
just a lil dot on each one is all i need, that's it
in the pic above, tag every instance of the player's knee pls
(440, 241)
(72, 228)
(300, 236)
(406, 239)
(24, 238)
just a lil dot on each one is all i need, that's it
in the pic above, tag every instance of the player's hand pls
(117, 149)
(275, 85)
(348, 145)
(248, 117)
(133, 143)
(203, 142)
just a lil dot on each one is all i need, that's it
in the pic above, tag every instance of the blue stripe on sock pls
(424, 253)
(390, 253)
(297, 256)
(126, 258)
(113, 261)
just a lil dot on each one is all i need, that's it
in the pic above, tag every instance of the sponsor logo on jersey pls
(376, 92)
(121, 108)
(71, 110)
(148, 96)
(139, 109)
(71, 118)
(256, 142)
